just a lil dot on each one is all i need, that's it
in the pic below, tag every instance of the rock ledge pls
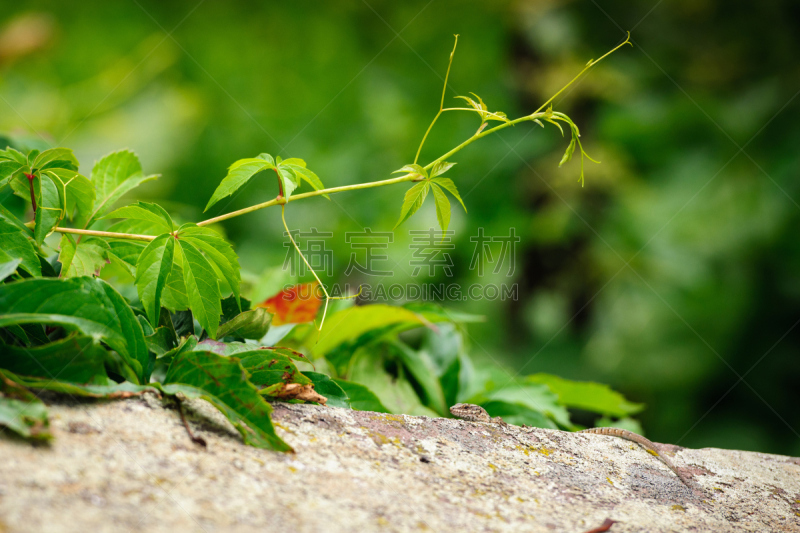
(130, 466)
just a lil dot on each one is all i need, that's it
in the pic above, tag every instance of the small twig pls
(197, 440)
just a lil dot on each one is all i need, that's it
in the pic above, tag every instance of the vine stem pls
(441, 104)
(106, 234)
(409, 177)
(282, 202)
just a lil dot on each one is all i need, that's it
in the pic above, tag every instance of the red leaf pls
(294, 305)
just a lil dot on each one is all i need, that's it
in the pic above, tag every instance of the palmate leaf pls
(7, 169)
(114, 175)
(217, 250)
(174, 296)
(440, 167)
(21, 411)
(360, 397)
(252, 324)
(268, 367)
(77, 192)
(86, 258)
(147, 212)
(12, 154)
(482, 110)
(202, 287)
(299, 168)
(442, 208)
(8, 267)
(88, 305)
(75, 358)
(14, 244)
(413, 200)
(239, 173)
(55, 158)
(223, 382)
(588, 395)
(48, 207)
(110, 391)
(448, 184)
(152, 270)
(413, 169)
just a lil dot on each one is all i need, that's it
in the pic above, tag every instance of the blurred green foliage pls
(669, 275)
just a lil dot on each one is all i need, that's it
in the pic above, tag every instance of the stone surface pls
(129, 466)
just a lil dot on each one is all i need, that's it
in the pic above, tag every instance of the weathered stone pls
(130, 466)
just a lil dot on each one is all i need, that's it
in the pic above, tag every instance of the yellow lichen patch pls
(677, 507)
(653, 452)
(292, 469)
(259, 461)
(609, 481)
(479, 492)
(382, 521)
(520, 500)
(286, 429)
(393, 418)
(492, 467)
(544, 451)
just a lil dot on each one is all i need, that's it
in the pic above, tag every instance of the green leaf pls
(239, 173)
(21, 411)
(86, 258)
(413, 169)
(360, 397)
(7, 169)
(424, 373)
(149, 212)
(325, 386)
(174, 296)
(535, 396)
(568, 153)
(217, 250)
(110, 391)
(223, 382)
(587, 395)
(394, 391)
(202, 287)
(76, 358)
(152, 270)
(9, 267)
(77, 193)
(48, 207)
(63, 155)
(266, 368)
(517, 414)
(413, 200)
(252, 324)
(288, 180)
(448, 184)
(299, 168)
(86, 304)
(442, 208)
(351, 323)
(15, 245)
(9, 218)
(161, 341)
(13, 155)
(113, 176)
(440, 167)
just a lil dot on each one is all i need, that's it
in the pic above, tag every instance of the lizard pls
(476, 413)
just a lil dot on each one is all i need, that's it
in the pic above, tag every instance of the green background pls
(672, 275)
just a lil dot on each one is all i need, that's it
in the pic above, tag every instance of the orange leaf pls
(294, 305)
